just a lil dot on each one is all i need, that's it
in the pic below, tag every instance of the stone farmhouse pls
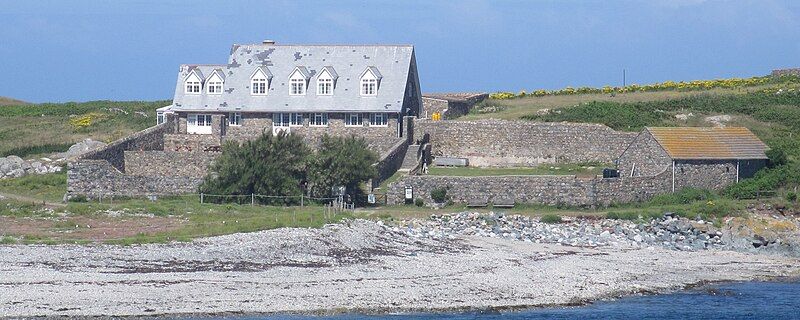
(373, 91)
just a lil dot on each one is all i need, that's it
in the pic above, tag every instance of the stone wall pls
(389, 162)
(379, 138)
(786, 72)
(523, 143)
(169, 163)
(644, 157)
(451, 105)
(545, 190)
(149, 139)
(191, 143)
(96, 178)
(705, 174)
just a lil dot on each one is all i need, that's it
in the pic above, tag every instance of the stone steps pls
(410, 159)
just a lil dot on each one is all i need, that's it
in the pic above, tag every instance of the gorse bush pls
(285, 167)
(683, 196)
(439, 195)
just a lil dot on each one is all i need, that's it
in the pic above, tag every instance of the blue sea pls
(746, 300)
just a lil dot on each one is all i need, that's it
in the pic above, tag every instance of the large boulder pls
(78, 149)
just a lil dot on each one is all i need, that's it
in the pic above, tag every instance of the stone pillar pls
(217, 125)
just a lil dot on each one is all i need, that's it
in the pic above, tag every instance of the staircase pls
(410, 159)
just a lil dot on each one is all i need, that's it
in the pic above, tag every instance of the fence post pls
(201, 198)
(252, 199)
(301, 200)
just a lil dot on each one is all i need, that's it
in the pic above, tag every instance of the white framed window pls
(280, 119)
(214, 84)
(353, 120)
(324, 86)
(259, 83)
(235, 119)
(297, 87)
(378, 120)
(159, 117)
(369, 87)
(198, 123)
(318, 119)
(193, 84)
(296, 119)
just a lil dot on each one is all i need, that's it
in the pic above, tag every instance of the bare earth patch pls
(94, 228)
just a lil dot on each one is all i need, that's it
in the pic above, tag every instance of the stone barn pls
(709, 158)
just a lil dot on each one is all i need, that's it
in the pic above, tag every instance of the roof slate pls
(349, 61)
(687, 143)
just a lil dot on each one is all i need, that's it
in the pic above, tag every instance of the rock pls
(79, 148)
(637, 238)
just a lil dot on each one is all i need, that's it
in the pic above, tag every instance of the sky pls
(57, 51)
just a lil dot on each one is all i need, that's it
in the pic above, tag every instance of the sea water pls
(745, 300)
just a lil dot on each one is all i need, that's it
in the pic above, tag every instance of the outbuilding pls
(708, 158)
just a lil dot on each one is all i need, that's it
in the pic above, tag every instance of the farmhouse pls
(709, 158)
(362, 90)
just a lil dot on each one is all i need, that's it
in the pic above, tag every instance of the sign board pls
(371, 198)
(409, 193)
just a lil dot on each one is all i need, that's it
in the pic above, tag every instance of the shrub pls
(715, 208)
(625, 215)
(419, 202)
(791, 196)
(550, 218)
(439, 195)
(683, 196)
(269, 165)
(78, 198)
(341, 161)
(777, 157)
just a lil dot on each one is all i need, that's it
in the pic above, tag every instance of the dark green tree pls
(341, 161)
(268, 165)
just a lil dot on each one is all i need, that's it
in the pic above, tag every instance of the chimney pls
(268, 42)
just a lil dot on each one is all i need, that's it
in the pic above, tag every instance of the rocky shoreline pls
(442, 264)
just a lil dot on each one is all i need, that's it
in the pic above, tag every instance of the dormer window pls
(193, 83)
(214, 83)
(370, 80)
(326, 81)
(297, 81)
(259, 81)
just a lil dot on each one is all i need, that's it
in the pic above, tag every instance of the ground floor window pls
(235, 119)
(353, 119)
(198, 123)
(378, 120)
(318, 119)
(296, 119)
(159, 117)
(280, 119)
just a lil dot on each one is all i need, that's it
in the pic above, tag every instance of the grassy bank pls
(39, 129)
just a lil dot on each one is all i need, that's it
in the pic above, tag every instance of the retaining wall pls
(169, 163)
(523, 143)
(545, 190)
(96, 178)
(149, 139)
(389, 162)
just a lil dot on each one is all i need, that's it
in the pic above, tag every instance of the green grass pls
(38, 129)
(555, 169)
(551, 218)
(48, 187)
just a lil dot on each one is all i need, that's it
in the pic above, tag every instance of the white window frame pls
(318, 119)
(193, 85)
(235, 119)
(259, 84)
(324, 86)
(198, 123)
(297, 87)
(295, 119)
(374, 119)
(348, 121)
(280, 120)
(160, 118)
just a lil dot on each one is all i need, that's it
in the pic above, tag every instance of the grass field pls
(40, 129)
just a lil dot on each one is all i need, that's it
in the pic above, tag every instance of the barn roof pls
(709, 143)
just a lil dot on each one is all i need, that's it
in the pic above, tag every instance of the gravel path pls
(361, 266)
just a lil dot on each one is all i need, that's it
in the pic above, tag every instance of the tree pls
(341, 161)
(268, 165)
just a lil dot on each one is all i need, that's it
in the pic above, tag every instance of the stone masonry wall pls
(644, 156)
(704, 174)
(523, 143)
(379, 138)
(96, 178)
(389, 162)
(149, 139)
(546, 190)
(169, 163)
(191, 143)
(451, 105)
(433, 105)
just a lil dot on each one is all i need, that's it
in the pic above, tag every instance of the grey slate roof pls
(391, 63)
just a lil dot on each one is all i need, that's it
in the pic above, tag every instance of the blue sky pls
(131, 50)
